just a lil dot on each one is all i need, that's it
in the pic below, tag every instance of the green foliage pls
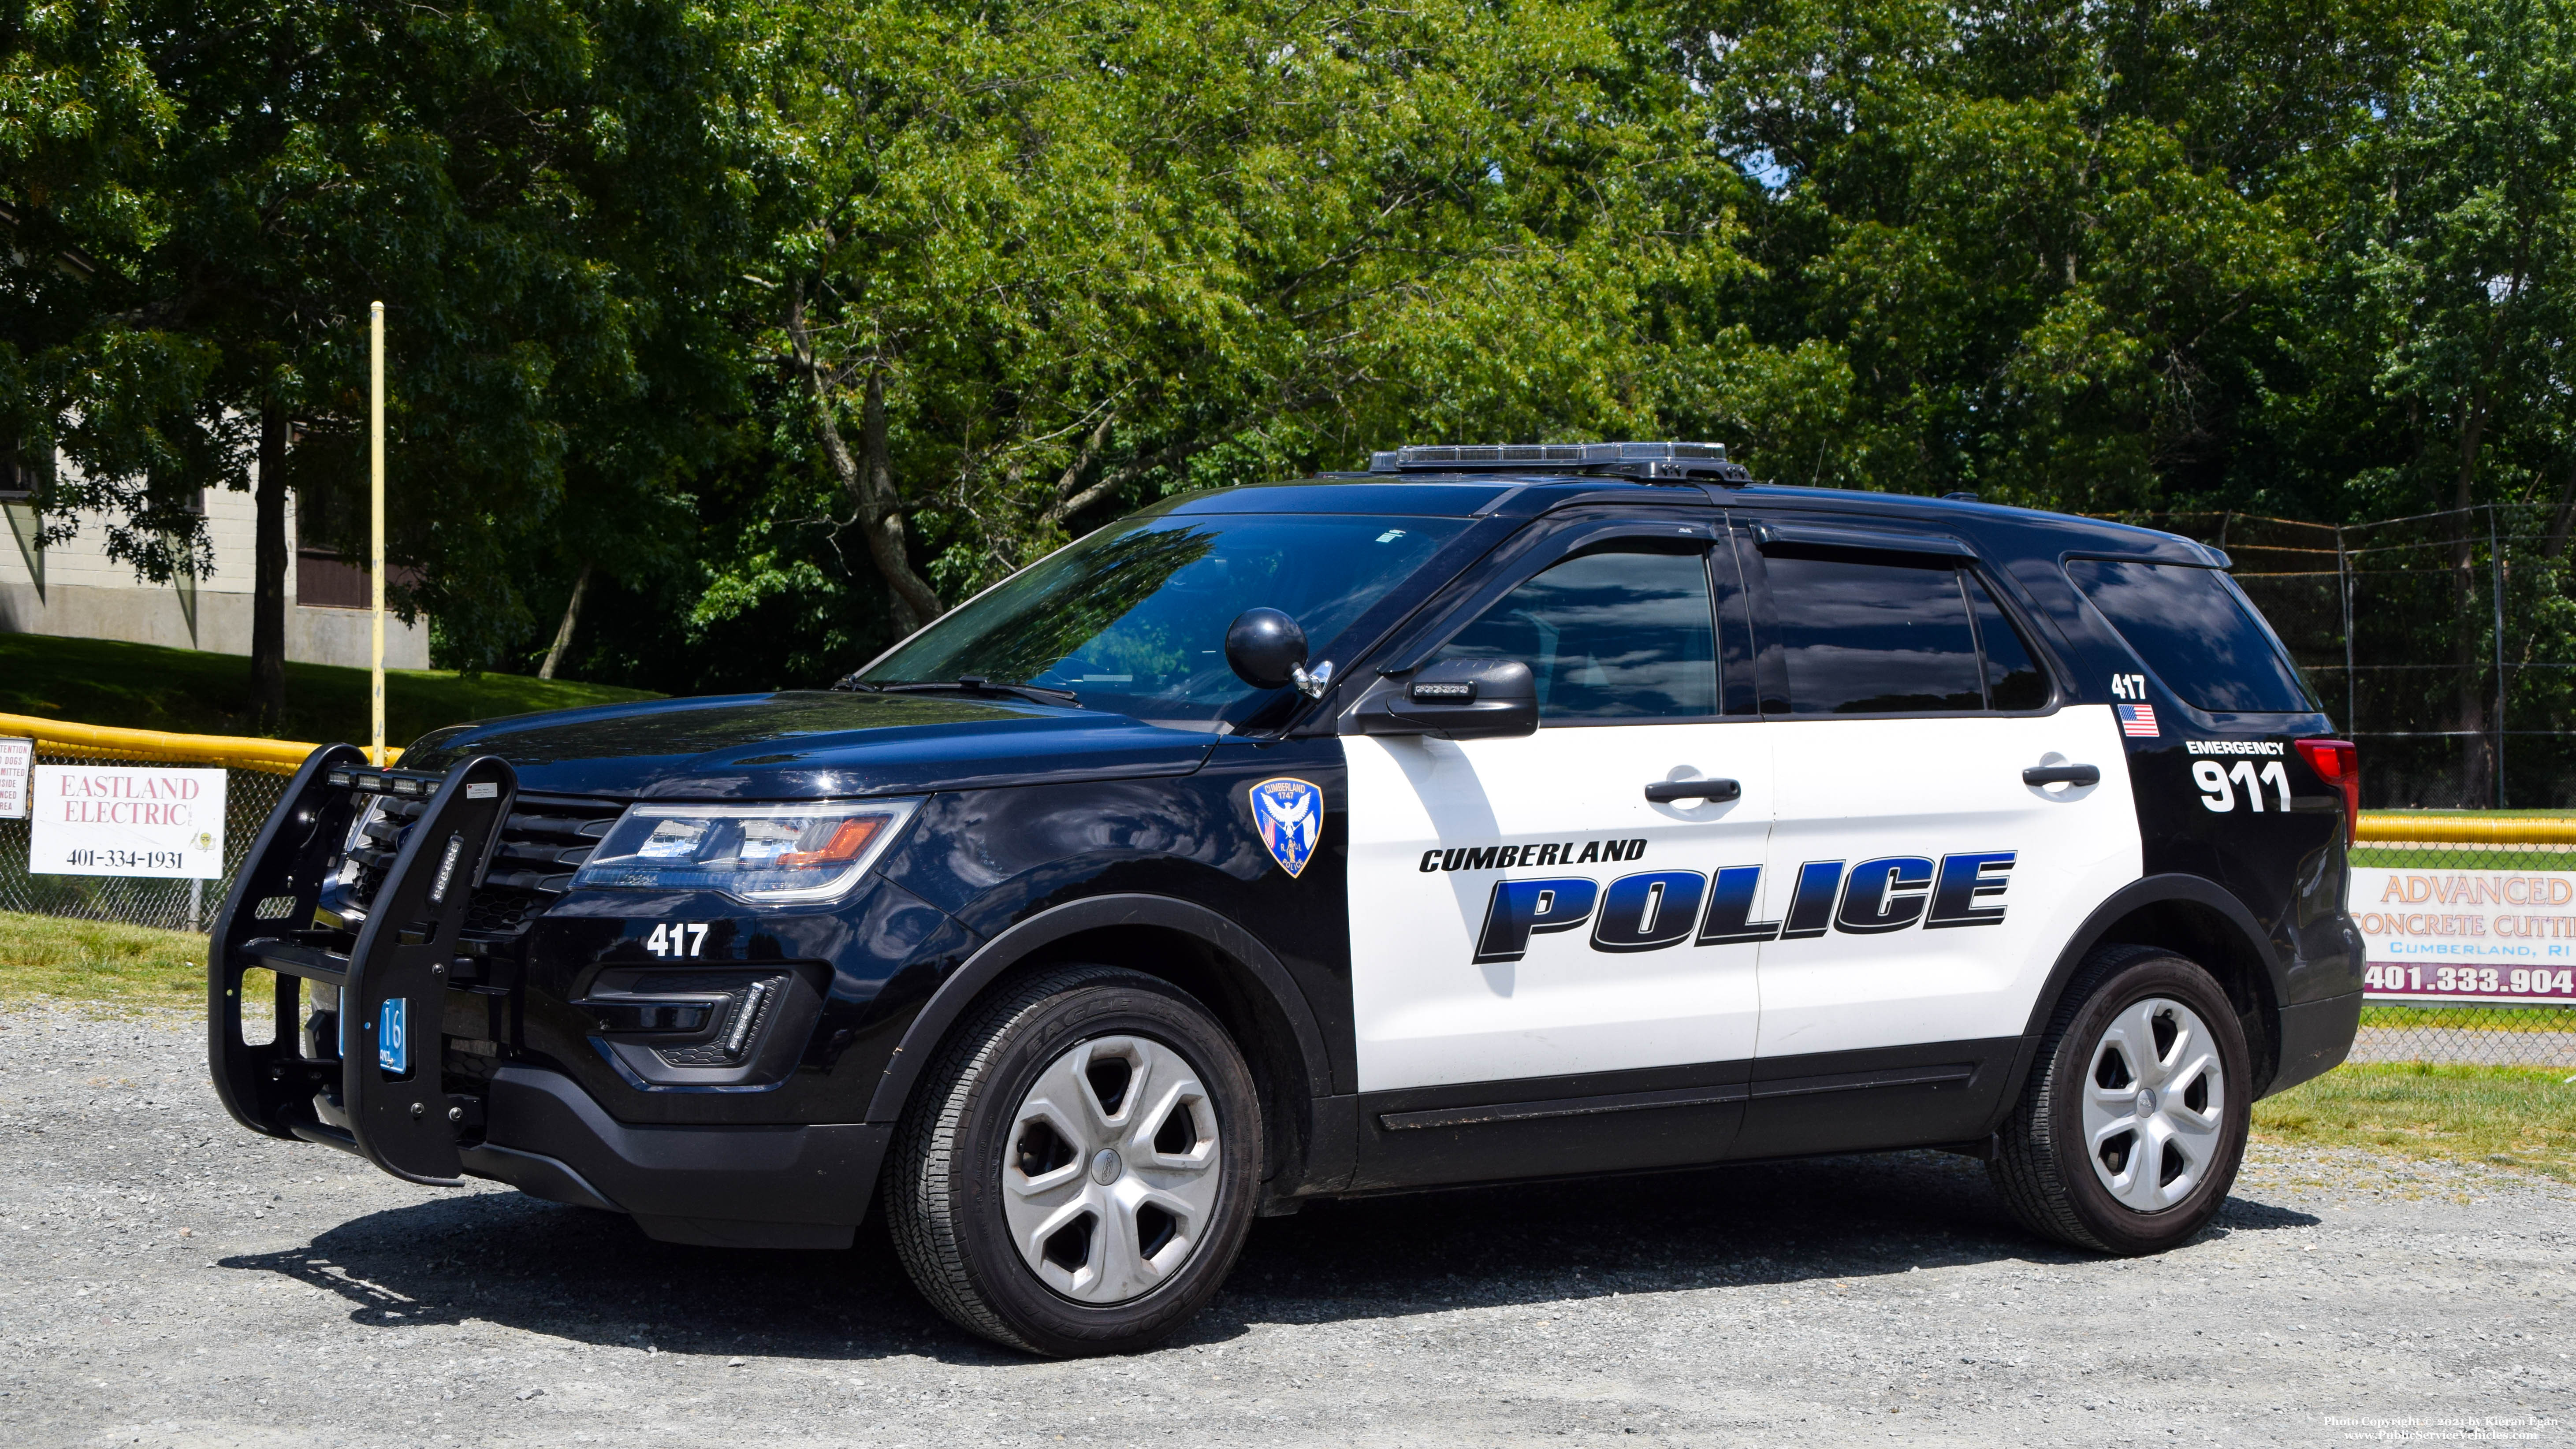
(801, 320)
(204, 198)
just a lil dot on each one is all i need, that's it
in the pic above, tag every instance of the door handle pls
(2062, 775)
(1663, 791)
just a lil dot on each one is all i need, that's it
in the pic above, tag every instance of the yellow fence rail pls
(2379, 828)
(240, 752)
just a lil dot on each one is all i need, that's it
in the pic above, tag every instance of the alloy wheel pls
(1112, 1169)
(2154, 1104)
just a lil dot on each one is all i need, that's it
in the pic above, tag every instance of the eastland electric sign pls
(126, 820)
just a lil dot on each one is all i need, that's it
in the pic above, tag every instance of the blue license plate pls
(393, 1044)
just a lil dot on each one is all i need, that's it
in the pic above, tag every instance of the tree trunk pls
(869, 484)
(2562, 518)
(881, 516)
(563, 634)
(268, 586)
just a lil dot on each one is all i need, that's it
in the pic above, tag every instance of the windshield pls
(1133, 618)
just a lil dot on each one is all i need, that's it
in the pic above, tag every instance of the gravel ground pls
(175, 1280)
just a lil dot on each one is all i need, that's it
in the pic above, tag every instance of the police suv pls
(1502, 813)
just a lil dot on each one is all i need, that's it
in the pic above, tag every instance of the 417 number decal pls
(679, 938)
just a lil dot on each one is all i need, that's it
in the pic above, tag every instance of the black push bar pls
(393, 979)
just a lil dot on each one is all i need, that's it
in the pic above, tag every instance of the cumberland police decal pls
(1290, 816)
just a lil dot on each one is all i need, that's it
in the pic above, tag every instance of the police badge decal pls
(1289, 814)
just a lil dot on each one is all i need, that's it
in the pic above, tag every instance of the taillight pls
(2338, 764)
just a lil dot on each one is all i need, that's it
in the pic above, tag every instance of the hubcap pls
(2153, 1104)
(1112, 1171)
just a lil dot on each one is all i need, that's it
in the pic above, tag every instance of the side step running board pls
(393, 983)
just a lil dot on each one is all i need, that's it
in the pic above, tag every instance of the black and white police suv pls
(1502, 813)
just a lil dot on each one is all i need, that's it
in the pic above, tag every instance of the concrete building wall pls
(88, 595)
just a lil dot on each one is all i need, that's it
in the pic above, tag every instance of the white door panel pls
(1940, 941)
(1453, 981)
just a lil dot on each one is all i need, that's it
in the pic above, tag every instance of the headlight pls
(769, 854)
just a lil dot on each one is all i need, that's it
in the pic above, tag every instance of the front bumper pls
(744, 1187)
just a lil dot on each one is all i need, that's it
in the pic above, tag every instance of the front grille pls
(544, 841)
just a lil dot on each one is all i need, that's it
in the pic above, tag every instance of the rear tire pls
(1077, 1173)
(2131, 1128)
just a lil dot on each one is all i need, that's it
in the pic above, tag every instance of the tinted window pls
(1133, 617)
(2013, 679)
(2198, 636)
(1610, 636)
(1873, 638)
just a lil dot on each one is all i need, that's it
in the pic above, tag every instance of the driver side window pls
(1621, 636)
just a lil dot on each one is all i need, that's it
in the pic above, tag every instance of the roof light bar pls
(1645, 462)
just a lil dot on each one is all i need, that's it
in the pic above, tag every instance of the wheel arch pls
(2193, 918)
(1188, 945)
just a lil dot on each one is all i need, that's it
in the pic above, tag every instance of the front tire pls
(1077, 1174)
(2133, 1123)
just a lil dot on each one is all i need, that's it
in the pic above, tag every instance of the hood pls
(812, 744)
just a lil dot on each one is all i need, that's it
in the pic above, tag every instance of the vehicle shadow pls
(591, 1277)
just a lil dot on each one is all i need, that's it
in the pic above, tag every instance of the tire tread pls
(2025, 1168)
(921, 1192)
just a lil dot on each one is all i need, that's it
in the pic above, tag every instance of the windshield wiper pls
(972, 684)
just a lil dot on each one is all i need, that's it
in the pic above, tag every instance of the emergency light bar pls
(1645, 462)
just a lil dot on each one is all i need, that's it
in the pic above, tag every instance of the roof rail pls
(1645, 462)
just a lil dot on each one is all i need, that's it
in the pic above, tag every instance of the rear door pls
(1917, 887)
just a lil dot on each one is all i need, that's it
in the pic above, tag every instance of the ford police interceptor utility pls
(1503, 813)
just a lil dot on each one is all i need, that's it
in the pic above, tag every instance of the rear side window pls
(1873, 638)
(2197, 635)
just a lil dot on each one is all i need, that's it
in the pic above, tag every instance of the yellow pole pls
(376, 495)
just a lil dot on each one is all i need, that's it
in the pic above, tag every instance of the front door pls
(1527, 927)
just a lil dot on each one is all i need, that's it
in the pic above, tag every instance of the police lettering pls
(1654, 909)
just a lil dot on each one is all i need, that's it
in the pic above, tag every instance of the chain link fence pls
(2443, 643)
(250, 794)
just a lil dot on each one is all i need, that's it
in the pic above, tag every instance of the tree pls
(548, 195)
(2445, 317)
(1051, 261)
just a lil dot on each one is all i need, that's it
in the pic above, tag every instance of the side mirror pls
(1266, 649)
(1459, 699)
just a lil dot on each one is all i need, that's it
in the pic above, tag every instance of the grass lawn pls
(94, 963)
(2516, 1116)
(145, 686)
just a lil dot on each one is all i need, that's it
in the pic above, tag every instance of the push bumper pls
(739, 1187)
(2315, 1038)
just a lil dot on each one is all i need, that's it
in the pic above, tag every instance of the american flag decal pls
(2137, 719)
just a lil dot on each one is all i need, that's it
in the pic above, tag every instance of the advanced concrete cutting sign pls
(2487, 936)
(129, 820)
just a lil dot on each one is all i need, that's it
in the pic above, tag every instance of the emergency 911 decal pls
(1650, 910)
